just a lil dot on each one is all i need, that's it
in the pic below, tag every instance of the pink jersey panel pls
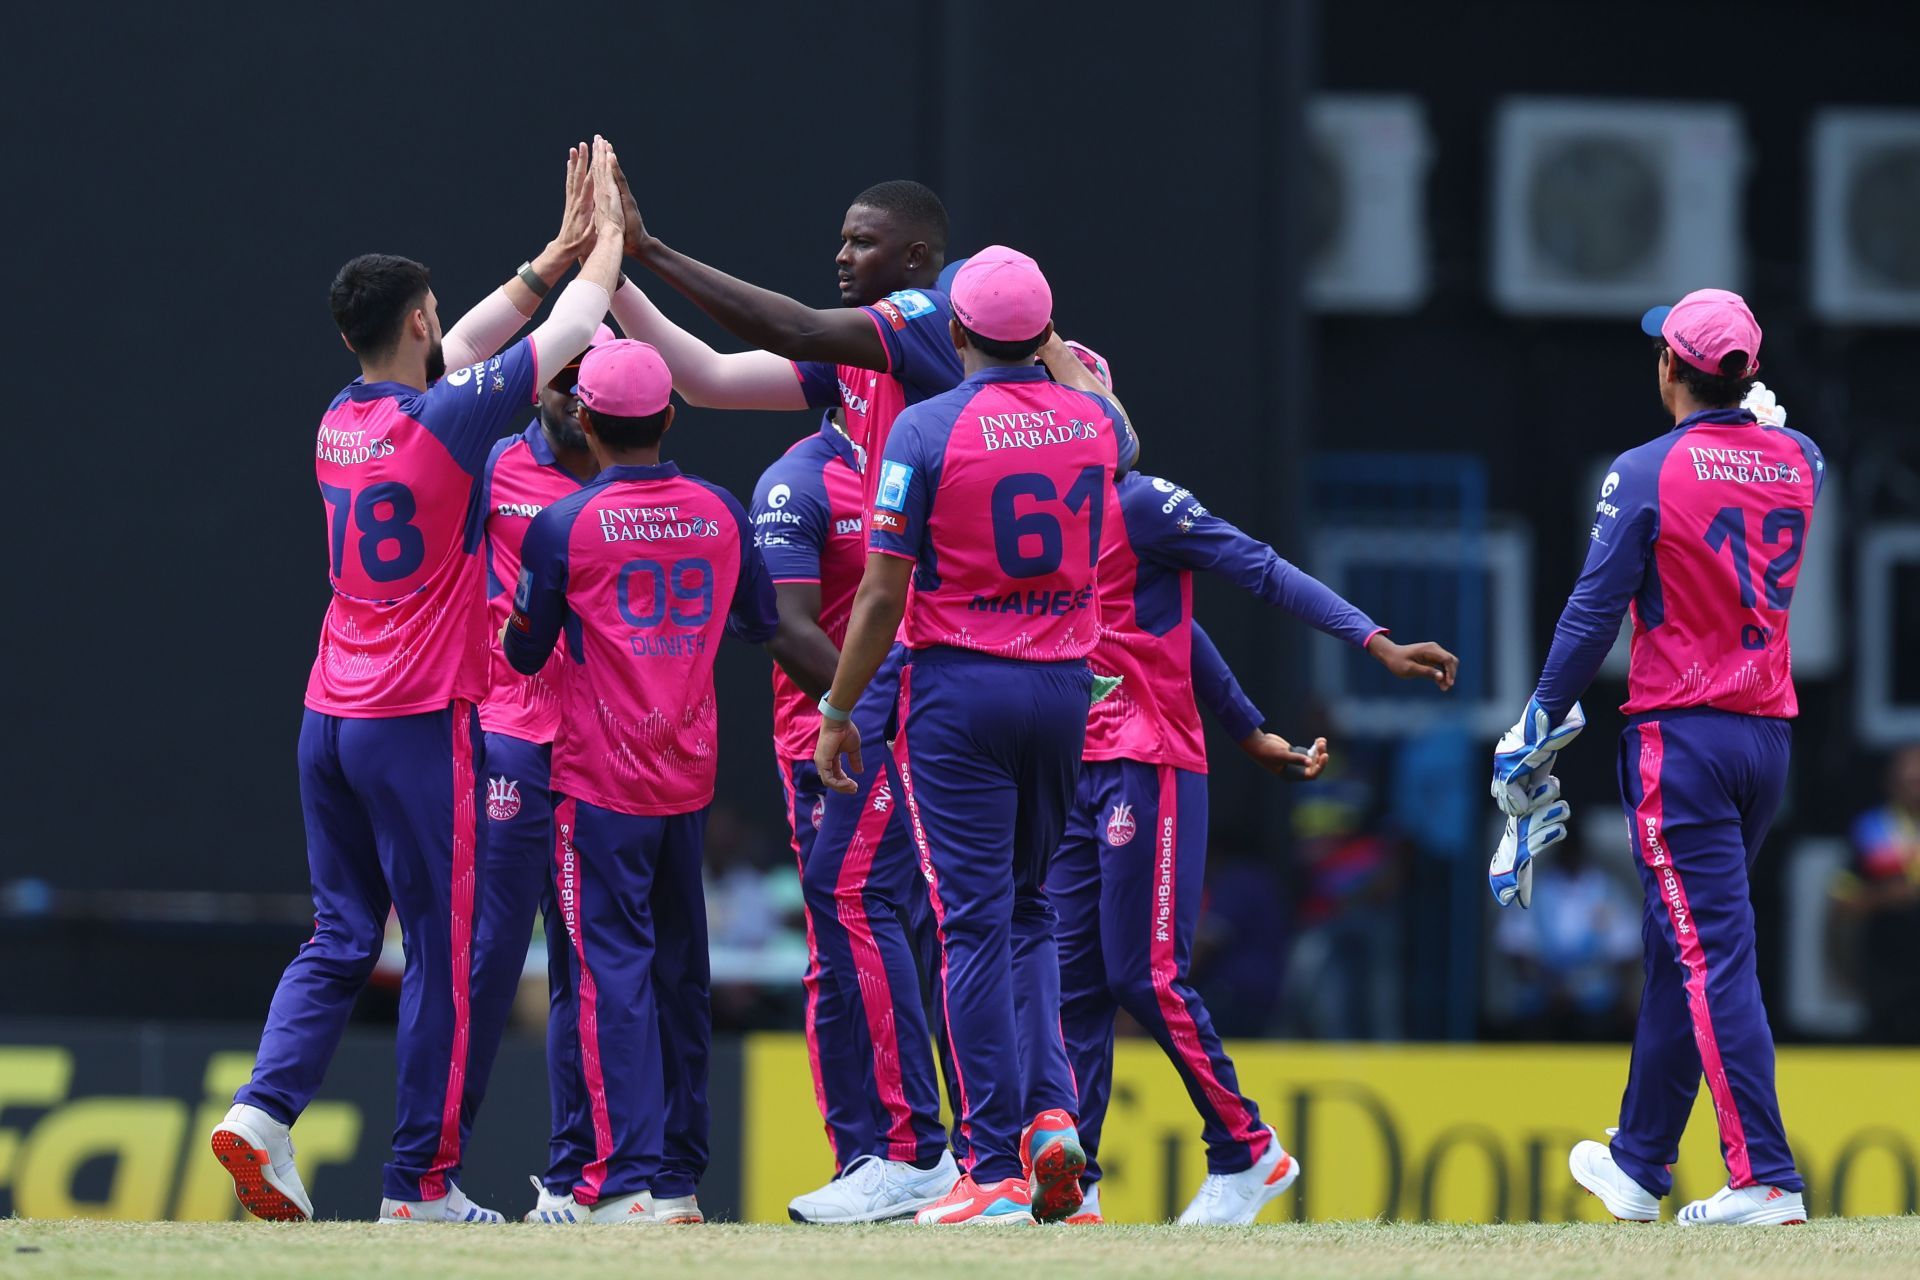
(404, 632)
(1736, 504)
(843, 559)
(520, 487)
(1151, 717)
(652, 566)
(1025, 490)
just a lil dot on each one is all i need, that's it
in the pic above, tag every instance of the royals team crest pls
(819, 812)
(1120, 825)
(503, 799)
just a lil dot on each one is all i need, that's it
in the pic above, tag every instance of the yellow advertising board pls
(1460, 1133)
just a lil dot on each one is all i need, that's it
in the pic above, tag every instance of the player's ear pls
(958, 334)
(346, 344)
(667, 422)
(586, 420)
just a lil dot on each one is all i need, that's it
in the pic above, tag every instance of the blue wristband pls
(831, 712)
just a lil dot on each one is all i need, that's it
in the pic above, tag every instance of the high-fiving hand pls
(634, 230)
(575, 237)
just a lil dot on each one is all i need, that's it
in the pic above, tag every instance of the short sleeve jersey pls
(639, 572)
(1700, 532)
(809, 525)
(398, 470)
(1147, 560)
(523, 478)
(921, 362)
(998, 491)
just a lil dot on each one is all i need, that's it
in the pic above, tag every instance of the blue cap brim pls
(947, 273)
(1650, 323)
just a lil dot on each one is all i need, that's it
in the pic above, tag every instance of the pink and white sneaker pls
(1051, 1155)
(998, 1204)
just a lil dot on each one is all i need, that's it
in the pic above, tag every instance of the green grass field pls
(1866, 1247)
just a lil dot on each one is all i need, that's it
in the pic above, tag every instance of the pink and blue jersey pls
(398, 468)
(1148, 636)
(921, 362)
(522, 479)
(640, 572)
(1700, 532)
(998, 491)
(809, 525)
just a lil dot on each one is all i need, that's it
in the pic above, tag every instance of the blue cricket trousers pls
(989, 753)
(1127, 886)
(625, 993)
(874, 944)
(1700, 788)
(391, 811)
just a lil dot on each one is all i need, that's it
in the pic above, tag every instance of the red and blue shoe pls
(1088, 1214)
(998, 1204)
(1051, 1155)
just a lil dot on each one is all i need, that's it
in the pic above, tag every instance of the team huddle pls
(985, 726)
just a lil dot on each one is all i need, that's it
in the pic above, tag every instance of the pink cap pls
(1000, 294)
(1706, 326)
(624, 379)
(1096, 363)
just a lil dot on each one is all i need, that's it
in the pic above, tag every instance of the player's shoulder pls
(515, 445)
(1641, 464)
(800, 464)
(1815, 456)
(716, 492)
(903, 307)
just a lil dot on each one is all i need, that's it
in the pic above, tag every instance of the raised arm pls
(705, 377)
(569, 327)
(760, 317)
(498, 316)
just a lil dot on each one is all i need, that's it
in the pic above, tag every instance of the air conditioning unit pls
(1368, 157)
(1607, 208)
(1866, 232)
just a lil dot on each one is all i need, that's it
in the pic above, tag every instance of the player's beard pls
(436, 363)
(565, 430)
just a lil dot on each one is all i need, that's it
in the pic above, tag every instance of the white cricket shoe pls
(451, 1207)
(678, 1211)
(1745, 1207)
(876, 1190)
(1226, 1199)
(553, 1210)
(1592, 1166)
(258, 1151)
(635, 1210)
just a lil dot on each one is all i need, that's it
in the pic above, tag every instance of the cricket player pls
(885, 348)
(390, 746)
(991, 498)
(808, 523)
(525, 474)
(641, 571)
(1127, 882)
(1700, 533)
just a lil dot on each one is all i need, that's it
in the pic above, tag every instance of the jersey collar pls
(837, 438)
(658, 471)
(362, 390)
(1011, 373)
(1717, 418)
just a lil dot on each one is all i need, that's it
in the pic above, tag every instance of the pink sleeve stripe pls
(897, 555)
(533, 350)
(879, 329)
(778, 581)
(1377, 631)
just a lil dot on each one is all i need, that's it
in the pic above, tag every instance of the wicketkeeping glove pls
(1764, 405)
(1527, 752)
(1510, 874)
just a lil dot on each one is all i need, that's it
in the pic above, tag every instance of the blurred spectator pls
(1343, 978)
(1241, 948)
(1877, 906)
(1572, 957)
